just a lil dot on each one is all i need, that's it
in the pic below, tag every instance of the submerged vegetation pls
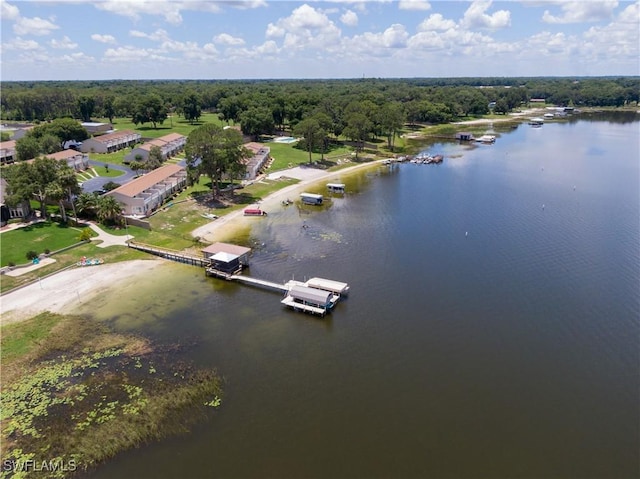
(75, 394)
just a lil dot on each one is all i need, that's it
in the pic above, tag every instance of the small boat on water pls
(311, 198)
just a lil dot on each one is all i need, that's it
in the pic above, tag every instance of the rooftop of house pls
(145, 182)
(115, 135)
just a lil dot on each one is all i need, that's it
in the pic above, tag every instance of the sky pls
(261, 39)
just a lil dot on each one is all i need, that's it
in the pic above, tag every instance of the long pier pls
(171, 254)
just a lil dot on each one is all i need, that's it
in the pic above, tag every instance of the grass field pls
(37, 237)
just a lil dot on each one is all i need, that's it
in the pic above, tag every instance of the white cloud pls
(414, 5)
(349, 18)
(8, 11)
(247, 4)
(127, 54)
(65, 43)
(78, 58)
(33, 26)
(619, 39)
(475, 16)
(159, 35)
(582, 11)
(134, 8)
(436, 22)
(103, 38)
(226, 39)
(171, 9)
(21, 44)
(305, 27)
(378, 44)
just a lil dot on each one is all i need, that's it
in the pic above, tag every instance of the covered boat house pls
(335, 187)
(311, 198)
(240, 251)
(311, 300)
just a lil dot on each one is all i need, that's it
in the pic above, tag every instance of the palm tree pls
(109, 209)
(87, 204)
(69, 182)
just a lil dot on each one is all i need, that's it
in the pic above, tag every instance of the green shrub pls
(31, 255)
(85, 235)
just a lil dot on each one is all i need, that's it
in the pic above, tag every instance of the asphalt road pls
(96, 184)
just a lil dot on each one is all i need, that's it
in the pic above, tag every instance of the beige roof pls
(115, 135)
(7, 145)
(145, 182)
(157, 142)
(226, 248)
(63, 155)
(254, 146)
(171, 137)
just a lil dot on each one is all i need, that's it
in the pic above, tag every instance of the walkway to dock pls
(259, 282)
(173, 255)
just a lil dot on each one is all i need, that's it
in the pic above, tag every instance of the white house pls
(21, 210)
(110, 142)
(94, 128)
(145, 194)
(7, 151)
(75, 159)
(258, 160)
(169, 145)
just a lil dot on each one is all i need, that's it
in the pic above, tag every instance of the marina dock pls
(171, 254)
(315, 296)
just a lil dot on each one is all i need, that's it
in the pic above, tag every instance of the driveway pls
(95, 184)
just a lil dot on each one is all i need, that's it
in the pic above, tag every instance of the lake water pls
(491, 331)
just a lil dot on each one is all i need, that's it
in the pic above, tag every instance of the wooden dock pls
(170, 254)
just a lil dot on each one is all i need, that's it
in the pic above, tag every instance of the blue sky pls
(237, 39)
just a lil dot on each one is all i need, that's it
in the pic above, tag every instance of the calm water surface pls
(492, 329)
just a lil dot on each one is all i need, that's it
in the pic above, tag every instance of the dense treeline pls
(263, 106)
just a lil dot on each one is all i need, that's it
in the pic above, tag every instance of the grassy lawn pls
(287, 155)
(107, 172)
(174, 124)
(36, 237)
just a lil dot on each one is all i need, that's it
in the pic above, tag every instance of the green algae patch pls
(79, 394)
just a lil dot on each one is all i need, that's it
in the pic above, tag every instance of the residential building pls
(169, 145)
(145, 194)
(94, 128)
(258, 160)
(110, 142)
(75, 159)
(8, 212)
(7, 151)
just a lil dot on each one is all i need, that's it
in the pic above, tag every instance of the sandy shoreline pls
(62, 292)
(65, 291)
(214, 230)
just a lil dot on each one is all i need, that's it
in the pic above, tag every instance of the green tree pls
(87, 204)
(191, 108)
(357, 129)
(68, 182)
(150, 108)
(155, 158)
(32, 180)
(49, 144)
(65, 129)
(257, 121)
(391, 121)
(108, 108)
(109, 210)
(27, 147)
(5, 136)
(214, 151)
(312, 133)
(86, 105)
